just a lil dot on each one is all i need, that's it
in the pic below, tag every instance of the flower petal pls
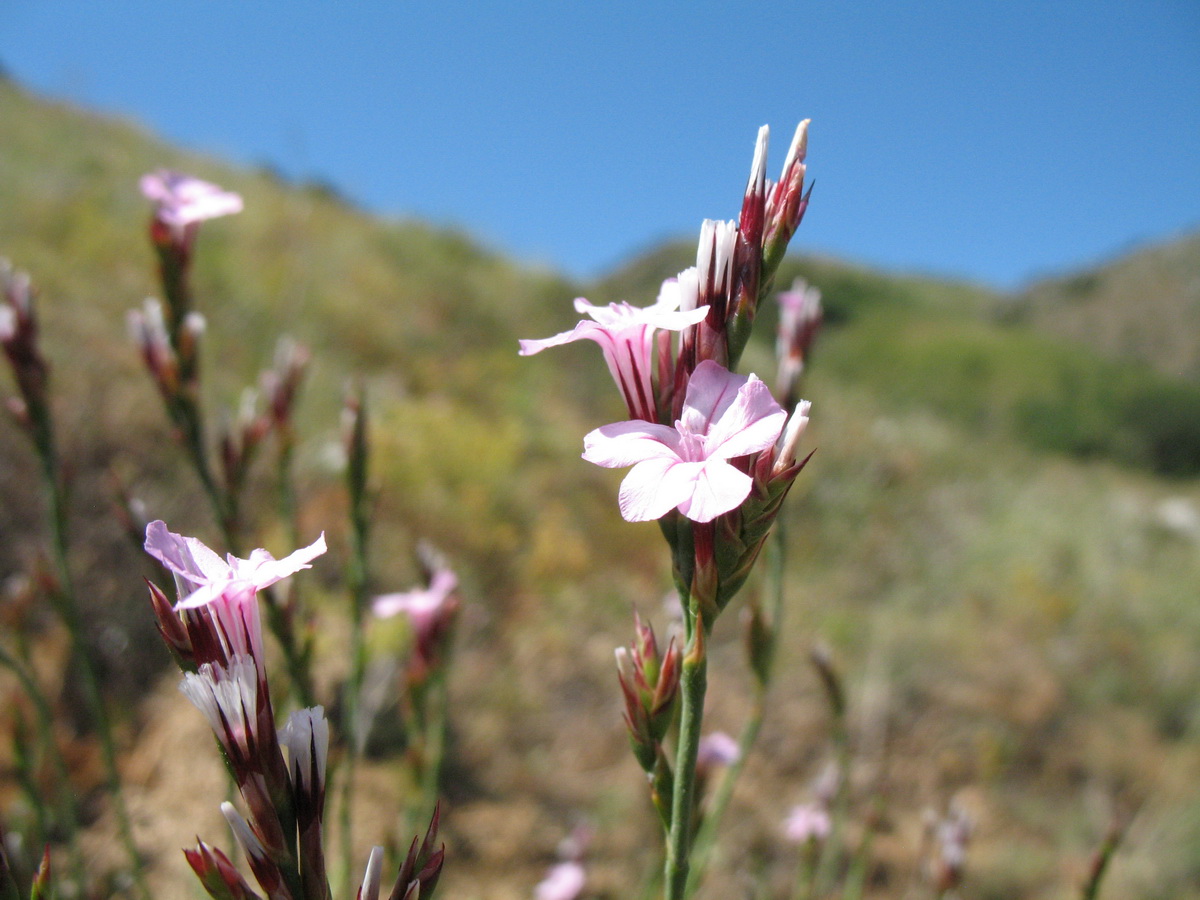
(626, 443)
(582, 330)
(187, 557)
(718, 487)
(655, 487)
(711, 390)
(263, 570)
(750, 424)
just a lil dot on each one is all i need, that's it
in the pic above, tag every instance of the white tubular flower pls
(785, 457)
(306, 737)
(243, 832)
(757, 185)
(714, 259)
(370, 882)
(228, 698)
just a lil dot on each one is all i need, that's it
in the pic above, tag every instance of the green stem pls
(286, 488)
(856, 877)
(68, 810)
(295, 658)
(358, 596)
(693, 683)
(831, 851)
(706, 837)
(1100, 860)
(805, 884)
(435, 739)
(65, 604)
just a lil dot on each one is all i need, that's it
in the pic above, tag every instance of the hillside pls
(984, 537)
(1142, 306)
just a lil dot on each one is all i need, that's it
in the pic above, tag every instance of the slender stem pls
(831, 851)
(856, 877)
(706, 837)
(693, 683)
(358, 597)
(286, 487)
(1100, 860)
(434, 740)
(805, 884)
(45, 725)
(295, 658)
(65, 604)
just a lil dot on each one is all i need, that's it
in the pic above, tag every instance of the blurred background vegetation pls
(998, 536)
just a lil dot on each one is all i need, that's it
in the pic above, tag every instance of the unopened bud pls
(218, 875)
(422, 867)
(714, 260)
(785, 457)
(798, 149)
(370, 882)
(172, 629)
(760, 642)
(42, 886)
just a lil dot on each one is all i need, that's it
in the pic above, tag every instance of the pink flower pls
(564, 881)
(725, 416)
(423, 606)
(717, 749)
(431, 612)
(626, 336)
(799, 321)
(182, 200)
(213, 577)
(808, 822)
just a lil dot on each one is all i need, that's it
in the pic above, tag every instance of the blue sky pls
(993, 140)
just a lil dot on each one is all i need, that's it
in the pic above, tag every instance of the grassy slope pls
(1017, 626)
(1144, 306)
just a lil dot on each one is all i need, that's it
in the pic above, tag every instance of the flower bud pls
(760, 642)
(219, 876)
(650, 684)
(422, 867)
(42, 887)
(370, 882)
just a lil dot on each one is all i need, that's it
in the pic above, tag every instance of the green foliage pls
(1014, 383)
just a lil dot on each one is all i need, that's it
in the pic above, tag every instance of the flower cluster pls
(713, 453)
(19, 341)
(649, 682)
(215, 633)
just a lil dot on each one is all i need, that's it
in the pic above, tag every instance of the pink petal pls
(718, 488)
(626, 443)
(187, 557)
(710, 391)
(717, 749)
(443, 582)
(182, 199)
(564, 881)
(387, 605)
(263, 570)
(750, 424)
(582, 330)
(615, 322)
(655, 487)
